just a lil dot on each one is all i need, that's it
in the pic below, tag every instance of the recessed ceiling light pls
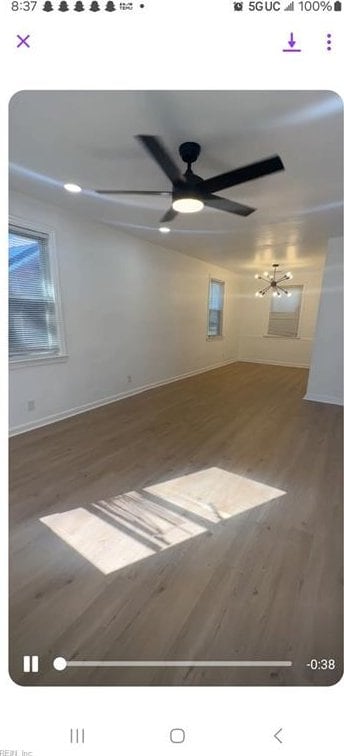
(74, 188)
(164, 230)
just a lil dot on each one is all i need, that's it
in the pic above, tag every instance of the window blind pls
(215, 307)
(32, 311)
(284, 313)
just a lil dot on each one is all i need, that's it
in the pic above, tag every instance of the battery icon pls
(337, 6)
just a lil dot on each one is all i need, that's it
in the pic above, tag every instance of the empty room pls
(175, 375)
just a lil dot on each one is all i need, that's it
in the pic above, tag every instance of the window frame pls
(22, 225)
(216, 337)
(279, 336)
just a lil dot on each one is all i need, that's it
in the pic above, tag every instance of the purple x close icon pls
(23, 40)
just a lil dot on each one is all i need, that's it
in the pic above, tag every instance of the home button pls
(177, 735)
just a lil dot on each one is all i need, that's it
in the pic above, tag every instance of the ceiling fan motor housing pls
(191, 188)
(189, 152)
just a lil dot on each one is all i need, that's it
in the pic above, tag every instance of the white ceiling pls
(88, 138)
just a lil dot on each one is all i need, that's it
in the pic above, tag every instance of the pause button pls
(30, 663)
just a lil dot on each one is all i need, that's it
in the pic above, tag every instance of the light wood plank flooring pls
(197, 521)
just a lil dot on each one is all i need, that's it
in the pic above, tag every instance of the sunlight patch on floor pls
(220, 493)
(120, 531)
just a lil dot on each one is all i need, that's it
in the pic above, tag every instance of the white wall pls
(256, 346)
(130, 309)
(325, 382)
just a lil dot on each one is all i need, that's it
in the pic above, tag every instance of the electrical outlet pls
(31, 405)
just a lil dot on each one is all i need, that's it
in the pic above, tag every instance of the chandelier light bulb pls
(289, 275)
(266, 273)
(257, 276)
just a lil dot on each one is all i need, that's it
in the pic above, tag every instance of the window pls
(215, 308)
(285, 313)
(33, 318)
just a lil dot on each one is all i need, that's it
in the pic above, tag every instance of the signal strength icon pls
(290, 7)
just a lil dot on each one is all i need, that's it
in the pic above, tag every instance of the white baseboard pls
(49, 419)
(273, 362)
(324, 398)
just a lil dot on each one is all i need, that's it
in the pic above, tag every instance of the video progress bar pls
(206, 663)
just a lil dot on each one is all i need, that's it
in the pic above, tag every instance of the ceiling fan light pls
(187, 205)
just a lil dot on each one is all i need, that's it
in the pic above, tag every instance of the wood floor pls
(199, 521)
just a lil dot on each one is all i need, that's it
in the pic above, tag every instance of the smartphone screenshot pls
(172, 371)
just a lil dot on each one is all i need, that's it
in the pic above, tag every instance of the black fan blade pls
(240, 175)
(221, 203)
(133, 191)
(170, 215)
(157, 150)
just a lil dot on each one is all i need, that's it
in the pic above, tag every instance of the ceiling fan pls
(190, 192)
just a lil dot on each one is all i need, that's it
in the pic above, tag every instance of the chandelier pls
(274, 281)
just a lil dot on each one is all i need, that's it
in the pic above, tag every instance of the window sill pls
(214, 338)
(273, 336)
(37, 361)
